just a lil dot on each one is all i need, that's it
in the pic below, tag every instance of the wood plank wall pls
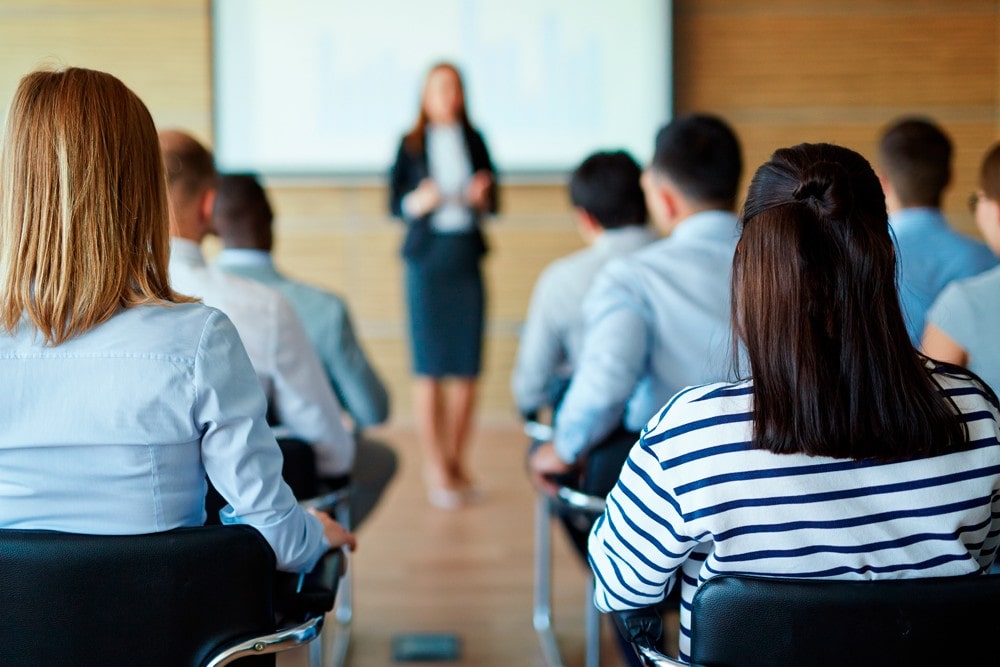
(782, 71)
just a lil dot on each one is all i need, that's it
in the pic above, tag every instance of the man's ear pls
(588, 225)
(670, 200)
(884, 182)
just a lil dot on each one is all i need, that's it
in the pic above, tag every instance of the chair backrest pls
(168, 599)
(757, 621)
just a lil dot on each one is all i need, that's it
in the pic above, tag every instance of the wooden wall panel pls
(782, 71)
(789, 71)
(160, 49)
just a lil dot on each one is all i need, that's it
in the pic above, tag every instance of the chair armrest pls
(298, 597)
(275, 642)
(642, 628)
(582, 502)
(650, 657)
(567, 496)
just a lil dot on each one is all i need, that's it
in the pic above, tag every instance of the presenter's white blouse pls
(449, 165)
(113, 432)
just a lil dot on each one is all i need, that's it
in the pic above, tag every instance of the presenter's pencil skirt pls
(446, 301)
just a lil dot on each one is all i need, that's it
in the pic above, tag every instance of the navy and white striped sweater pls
(695, 498)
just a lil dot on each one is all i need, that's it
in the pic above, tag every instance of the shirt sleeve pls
(541, 349)
(303, 400)
(639, 543)
(354, 380)
(953, 314)
(240, 454)
(612, 362)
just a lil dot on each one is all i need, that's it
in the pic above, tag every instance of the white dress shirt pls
(113, 431)
(327, 321)
(285, 362)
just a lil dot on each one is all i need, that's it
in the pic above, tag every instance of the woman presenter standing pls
(442, 185)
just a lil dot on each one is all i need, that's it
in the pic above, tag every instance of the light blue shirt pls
(553, 329)
(113, 431)
(327, 322)
(969, 311)
(930, 255)
(657, 321)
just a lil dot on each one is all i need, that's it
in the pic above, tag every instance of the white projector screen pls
(328, 87)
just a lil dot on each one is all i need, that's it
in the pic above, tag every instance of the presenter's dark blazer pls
(411, 167)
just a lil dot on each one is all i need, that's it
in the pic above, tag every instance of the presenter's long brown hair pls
(815, 303)
(414, 139)
(83, 205)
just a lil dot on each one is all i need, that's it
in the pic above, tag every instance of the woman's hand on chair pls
(335, 534)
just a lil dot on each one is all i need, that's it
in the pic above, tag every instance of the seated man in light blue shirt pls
(658, 320)
(611, 217)
(242, 218)
(914, 157)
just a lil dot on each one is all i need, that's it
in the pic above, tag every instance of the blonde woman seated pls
(845, 455)
(120, 395)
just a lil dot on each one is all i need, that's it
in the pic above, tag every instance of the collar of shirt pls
(916, 217)
(186, 252)
(244, 257)
(706, 224)
(612, 239)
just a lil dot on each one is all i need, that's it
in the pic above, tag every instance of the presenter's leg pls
(443, 489)
(460, 409)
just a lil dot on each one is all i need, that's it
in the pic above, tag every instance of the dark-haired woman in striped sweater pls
(844, 455)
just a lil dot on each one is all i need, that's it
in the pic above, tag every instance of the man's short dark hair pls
(915, 156)
(701, 155)
(242, 215)
(607, 187)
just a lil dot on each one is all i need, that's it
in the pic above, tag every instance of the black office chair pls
(332, 495)
(740, 621)
(190, 597)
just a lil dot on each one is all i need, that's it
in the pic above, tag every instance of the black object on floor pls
(426, 648)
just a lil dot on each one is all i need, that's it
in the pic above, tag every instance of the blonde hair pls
(83, 205)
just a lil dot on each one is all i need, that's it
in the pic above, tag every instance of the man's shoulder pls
(306, 296)
(247, 289)
(568, 267)
(238, 297)
(980, 288)
(649, 258)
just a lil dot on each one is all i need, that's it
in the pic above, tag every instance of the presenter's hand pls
(426, 197)
(544, 462)
(478, 193)
(335, 534)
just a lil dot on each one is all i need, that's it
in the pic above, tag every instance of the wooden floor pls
(467, 571)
